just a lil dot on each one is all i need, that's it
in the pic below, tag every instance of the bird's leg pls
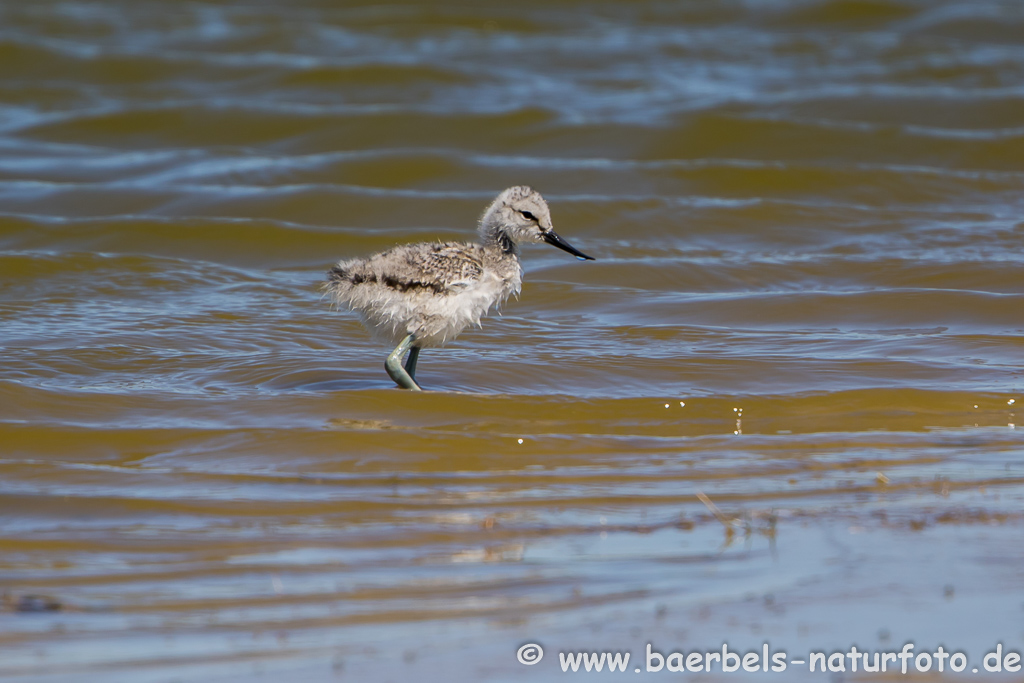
(394, 365)
(410, 362)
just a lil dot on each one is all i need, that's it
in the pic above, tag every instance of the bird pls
(423, 295)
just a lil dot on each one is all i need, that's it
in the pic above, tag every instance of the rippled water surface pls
(806, 307)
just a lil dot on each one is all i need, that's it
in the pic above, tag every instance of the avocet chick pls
(423, 295)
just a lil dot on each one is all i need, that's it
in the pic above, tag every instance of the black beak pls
(551, 237)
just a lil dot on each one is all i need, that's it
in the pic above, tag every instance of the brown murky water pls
(807, 220)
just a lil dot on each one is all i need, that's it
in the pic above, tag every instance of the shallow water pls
(806, 307)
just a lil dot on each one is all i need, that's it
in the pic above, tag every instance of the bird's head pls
(520, 214)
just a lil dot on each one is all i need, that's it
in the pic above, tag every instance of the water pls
(806, 306)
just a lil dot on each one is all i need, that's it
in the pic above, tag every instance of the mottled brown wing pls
(446, 267)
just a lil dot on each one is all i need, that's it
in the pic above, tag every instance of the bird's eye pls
(528, 216)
